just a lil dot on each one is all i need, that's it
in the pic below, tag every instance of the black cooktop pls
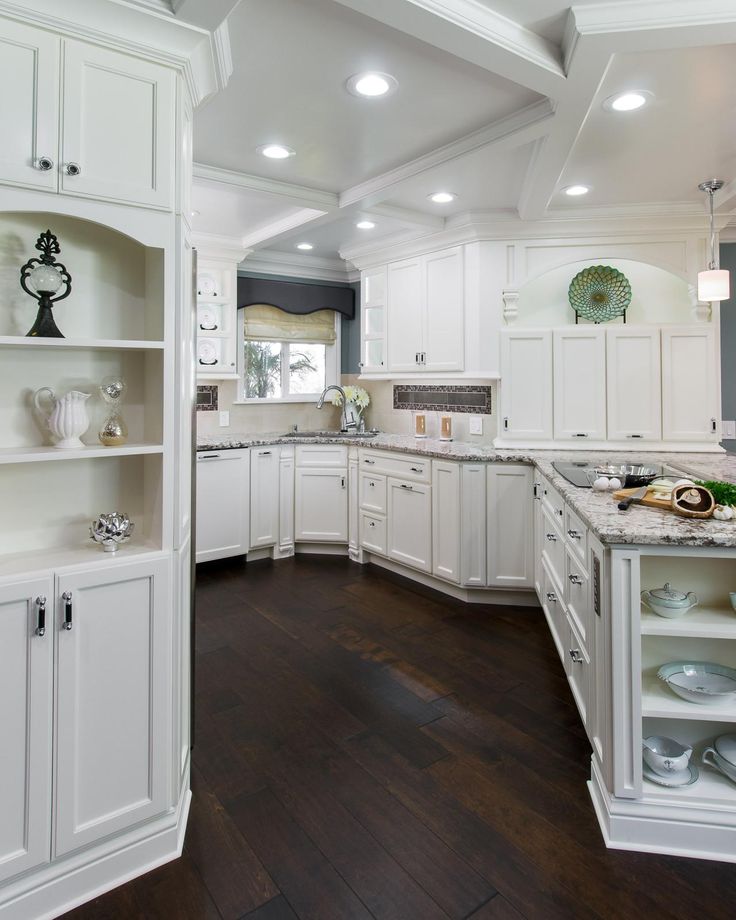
(574, 470)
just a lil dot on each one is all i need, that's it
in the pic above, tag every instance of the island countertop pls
(637, 526)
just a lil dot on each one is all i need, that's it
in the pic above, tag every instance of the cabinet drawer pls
(416, 469)
(322, 455)
(578, 672)
(553, 550)
(372, 493)
(373, 533)
(554, 611)
(577, 596)
(553, 502)
(576, 535)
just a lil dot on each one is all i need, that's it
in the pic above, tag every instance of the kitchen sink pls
(332, 435)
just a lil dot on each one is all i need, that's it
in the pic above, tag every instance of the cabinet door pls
(634, 384)
(321, 509)
(690, 403)
(286, 501)
(264, 496)
(510, 526)
(444, 312)
(446, 520)
(373, 322)
(118, 126)
(405, 309)
(410, 524)
(29, 106)
(580, 383)
(223, 485)
(473, 530)
(26, 666)
(113, 714)
(526, 384)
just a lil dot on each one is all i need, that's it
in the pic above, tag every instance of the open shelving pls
(20, 341)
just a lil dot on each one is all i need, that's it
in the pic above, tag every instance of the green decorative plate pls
(599, 293)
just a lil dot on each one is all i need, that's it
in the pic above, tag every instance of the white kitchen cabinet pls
(321, 505)
(286, 501)
(579, 360)
(446, 522)
(113, 718)
(117, 127)
(223, 493)
(634, 383)
(473, 529)
(26, 659)
(409, 537)
(426, 313)
(510, 525)
(579, 672)
(690, 399)
(526, 384)
(29, 106)
(264, 496)
(373, 291)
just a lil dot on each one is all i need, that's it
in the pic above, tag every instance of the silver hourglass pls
(114, 431)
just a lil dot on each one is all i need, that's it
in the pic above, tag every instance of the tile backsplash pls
(207, 398)
(459, 398)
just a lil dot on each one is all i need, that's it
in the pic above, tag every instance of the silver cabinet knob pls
(574, 534)
(575, 579)
(551, 537)
(576, 655)
(44, 164)
(552, 598)
(73, 169)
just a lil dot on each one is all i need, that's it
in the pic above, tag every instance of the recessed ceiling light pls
(372, 85)
(442, 197)
(627, 102)
(575, 190)
(365, 225)
(305, 246)
(276, 151)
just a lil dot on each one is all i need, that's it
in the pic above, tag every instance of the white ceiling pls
(499, 101)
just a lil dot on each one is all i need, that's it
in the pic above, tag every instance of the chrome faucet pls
(344, 424)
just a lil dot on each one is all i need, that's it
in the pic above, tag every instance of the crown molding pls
(514, 130)
(645, 15)
(295, 265)
(222, 53)
(408, 216)
(299, 194)
(213, 247)
(284, 225)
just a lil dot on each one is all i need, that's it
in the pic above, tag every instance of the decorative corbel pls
(510, 306)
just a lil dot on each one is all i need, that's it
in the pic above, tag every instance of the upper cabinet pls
(526, 386)
(111, 136)
(579, 355)
(425, 303)
(373, 322)
(690, 403)
(634, 378)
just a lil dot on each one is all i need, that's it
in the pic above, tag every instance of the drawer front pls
(553, 502)
(553, 550)
(577, 596)
(576, 535)
(372, 493)
(373, 533)
(554, 610)
(415, 469)
(322, 455)
(579, 673)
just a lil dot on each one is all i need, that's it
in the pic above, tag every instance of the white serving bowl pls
(701, 682)
(665, 755)
(722, 756)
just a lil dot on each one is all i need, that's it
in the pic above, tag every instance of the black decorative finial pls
(46, 277)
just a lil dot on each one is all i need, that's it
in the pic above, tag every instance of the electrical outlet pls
(728, 430)
(475, 424)
(225, 418)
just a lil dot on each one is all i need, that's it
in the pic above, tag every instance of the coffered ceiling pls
(499, 102)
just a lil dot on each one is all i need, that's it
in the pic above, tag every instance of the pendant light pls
(713, 284)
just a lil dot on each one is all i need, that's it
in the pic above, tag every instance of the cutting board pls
(650, 500)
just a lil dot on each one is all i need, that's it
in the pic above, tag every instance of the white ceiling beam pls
(409, 216)
(274, 230)
(473, 32)
(513, 131)
(695, 22)
(207, 15)
(297, 194)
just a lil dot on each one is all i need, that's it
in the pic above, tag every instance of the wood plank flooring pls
(368, 749)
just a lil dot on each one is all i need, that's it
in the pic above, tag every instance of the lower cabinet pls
(446, 534)
(510, 526)
(321, 505)
(223, 484)
(409, 537)
(579, 673)
(264, 496)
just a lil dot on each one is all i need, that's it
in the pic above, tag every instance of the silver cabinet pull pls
(372, 484)
(73, 169)
(416, 469)
(371, 523)
(342, 482)
(208, 457)
(44, 164)
(576, 655)
(580, 435)
(41, 620)
(551, 597)
(634, 435)
(574, 534)
(551, 537)
(408, 488)
(575, 579)
(506, 424)
(713, 425)
(67, 598)
(369, 461)
(265, 453)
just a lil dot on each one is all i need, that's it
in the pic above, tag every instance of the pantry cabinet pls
(634, 383)
(409, 536)
(579, 360)
(690, 399)
(526, 384)
(223, 500)
(26, 680)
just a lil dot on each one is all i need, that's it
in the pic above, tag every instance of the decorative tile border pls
(207, 398)
(475, 399)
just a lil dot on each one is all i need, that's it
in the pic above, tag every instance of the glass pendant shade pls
(713, 285)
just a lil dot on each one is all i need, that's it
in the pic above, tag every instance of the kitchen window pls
(286, 357)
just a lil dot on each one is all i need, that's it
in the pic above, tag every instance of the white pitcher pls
(68, 419)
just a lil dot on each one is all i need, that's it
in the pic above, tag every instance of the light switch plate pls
(728, 430)
(475, 423)
(224, 418)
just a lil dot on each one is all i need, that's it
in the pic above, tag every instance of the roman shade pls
(296, 297)
(264, 323)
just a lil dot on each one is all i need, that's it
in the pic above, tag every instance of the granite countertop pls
(637, 526)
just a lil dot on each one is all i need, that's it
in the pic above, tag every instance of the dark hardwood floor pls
(365, 749)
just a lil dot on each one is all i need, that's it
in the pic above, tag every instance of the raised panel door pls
(321, 507)
(510, 526)
(26, 667)
(526, 385)
(223, 485)
(410, 524)
(405, 315)
(473, 529)
(264, 496)
(113, 714)
(634, 384)
(444, 313)
(690, 401)
(29, 106)
(118, 127)
(446, 512)
(579, 358)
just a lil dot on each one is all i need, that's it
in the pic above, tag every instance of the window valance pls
(264, 323)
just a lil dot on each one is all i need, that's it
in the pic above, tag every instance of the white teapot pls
(68, 419)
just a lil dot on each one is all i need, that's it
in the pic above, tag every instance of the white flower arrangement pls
(356, 395)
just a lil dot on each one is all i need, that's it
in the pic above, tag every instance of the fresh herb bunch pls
(723, 492)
